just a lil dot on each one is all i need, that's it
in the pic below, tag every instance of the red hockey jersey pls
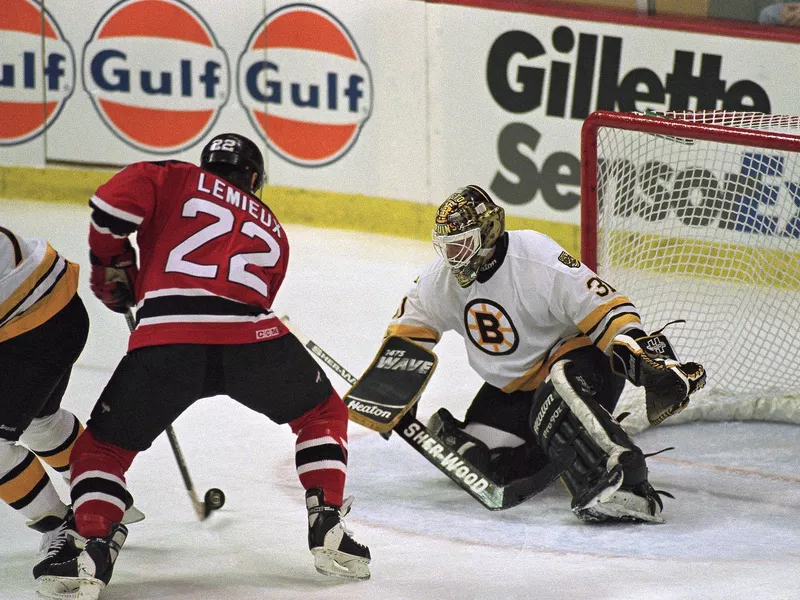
(211, 257)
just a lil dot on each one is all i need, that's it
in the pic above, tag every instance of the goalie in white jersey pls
(554, 344)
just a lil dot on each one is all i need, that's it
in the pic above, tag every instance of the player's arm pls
(119, 206)
(650, 361)
(397, 376)
(391, 385)
(612, 322)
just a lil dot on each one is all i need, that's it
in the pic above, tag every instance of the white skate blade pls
(132, 515)
(338, 564)
(69, 588)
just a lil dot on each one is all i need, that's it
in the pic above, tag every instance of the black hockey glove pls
(650, 361)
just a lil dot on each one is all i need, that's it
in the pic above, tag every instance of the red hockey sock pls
(321, 450)
(98, 484)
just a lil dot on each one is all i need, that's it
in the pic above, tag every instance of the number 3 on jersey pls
(177, 262)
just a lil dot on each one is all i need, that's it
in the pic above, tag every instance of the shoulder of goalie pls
(650, 361)
(391, 385)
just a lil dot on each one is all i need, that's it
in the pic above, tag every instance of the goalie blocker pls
(391, 385)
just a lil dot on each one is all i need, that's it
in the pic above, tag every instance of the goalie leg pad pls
(609, 469)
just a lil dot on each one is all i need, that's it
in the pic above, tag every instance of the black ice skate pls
(60, 543)
(76, 573)
(335, 551)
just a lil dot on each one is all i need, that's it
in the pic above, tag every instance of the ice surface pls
(732, 532)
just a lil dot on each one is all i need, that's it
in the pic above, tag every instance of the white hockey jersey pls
(532, 302)
(35, 283)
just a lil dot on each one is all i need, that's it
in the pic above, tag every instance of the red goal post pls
(696, 216)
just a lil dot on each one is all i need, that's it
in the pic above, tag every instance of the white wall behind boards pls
(392, 98)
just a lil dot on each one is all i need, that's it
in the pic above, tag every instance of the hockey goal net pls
(696, 216)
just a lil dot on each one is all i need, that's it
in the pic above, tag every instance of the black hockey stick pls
(214, 498)
(472, 480)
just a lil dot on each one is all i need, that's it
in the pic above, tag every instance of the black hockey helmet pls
(234, 158)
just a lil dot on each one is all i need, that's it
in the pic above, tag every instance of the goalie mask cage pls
(696, 216)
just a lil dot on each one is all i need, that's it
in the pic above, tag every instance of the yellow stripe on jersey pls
(534, 376)
(23, 484)
(47, 306)
(614, 327)
(414, 332)
(598, 314)
(30, 283)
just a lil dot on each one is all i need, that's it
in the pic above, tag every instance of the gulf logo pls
(156, 74)
(36, 64)
(304, 85)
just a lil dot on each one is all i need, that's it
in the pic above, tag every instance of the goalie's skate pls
(80, 573)
(612, 500)
(643, 505)
(336, 553)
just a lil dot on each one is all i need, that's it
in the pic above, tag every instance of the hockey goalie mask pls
(468, 224)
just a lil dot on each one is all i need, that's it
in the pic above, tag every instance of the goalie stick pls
(214, 498)
(472, 480)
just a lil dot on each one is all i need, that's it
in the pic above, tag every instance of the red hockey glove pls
(113, 279)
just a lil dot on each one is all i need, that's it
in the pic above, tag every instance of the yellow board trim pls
(718, 261)
(331, 210)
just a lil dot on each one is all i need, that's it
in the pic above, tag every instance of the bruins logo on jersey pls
(489, 327)
(566, 258)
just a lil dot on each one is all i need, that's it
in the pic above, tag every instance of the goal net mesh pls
(698, 218)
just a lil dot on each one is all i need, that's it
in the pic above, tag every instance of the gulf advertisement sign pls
(304, 85)
(156, 74)
(37, 71)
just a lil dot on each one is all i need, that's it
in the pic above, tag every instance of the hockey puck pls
(214, 499)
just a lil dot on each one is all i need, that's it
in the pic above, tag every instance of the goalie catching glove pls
(650, 361)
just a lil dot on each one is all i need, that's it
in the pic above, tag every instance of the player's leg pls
(34, 372)
(279, 379)
(608, 479)
(494, 436)
(149, 389)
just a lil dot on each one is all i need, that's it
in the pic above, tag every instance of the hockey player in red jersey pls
(212, 257)
(554, 344)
